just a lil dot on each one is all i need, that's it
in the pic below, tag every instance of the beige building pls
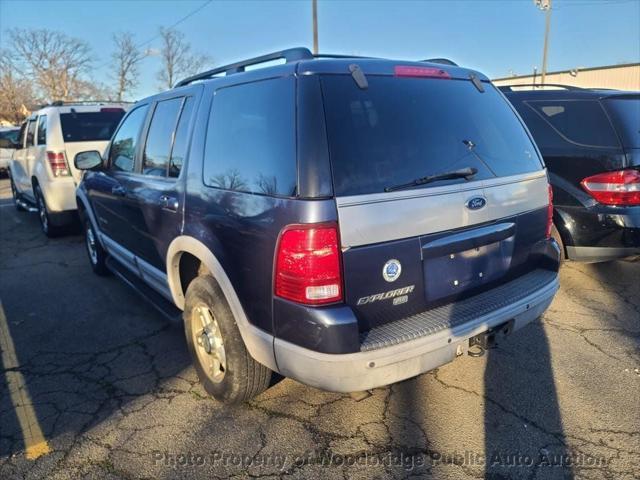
(619, 77)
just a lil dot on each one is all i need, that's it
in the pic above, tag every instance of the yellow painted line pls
(34, 440)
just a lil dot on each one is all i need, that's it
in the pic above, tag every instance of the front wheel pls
(16, 196)
(222, 362)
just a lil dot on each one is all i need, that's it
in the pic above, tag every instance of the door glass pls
(31, 131)
(42, 130)
(181, 141)
(123, 148)
(157, 149)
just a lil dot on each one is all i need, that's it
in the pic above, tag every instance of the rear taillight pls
(429, 72)
(58, 163)
(550, 213)
(308, 264)
(112, 109)
(614, 188)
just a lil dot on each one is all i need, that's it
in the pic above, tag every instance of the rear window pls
(583, 122)
(399, 129)
(89, 126)
(625, 113)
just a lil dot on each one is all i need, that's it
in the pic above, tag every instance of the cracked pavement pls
(116, 396)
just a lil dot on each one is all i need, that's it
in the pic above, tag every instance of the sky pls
(496, 37)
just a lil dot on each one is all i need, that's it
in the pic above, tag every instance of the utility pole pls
(545, 6)
(314, 5)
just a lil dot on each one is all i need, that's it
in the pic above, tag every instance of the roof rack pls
(537, 86)
(290, 55)
(444, 61)
(60, 103)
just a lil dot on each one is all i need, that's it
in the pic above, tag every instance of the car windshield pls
(399, 129)
(625, 112)
(11, 135)
(89, 126)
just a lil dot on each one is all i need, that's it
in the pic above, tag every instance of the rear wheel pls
(555, 234)
(222, 362)
(44, 215)
(97, 254)
(16, 196)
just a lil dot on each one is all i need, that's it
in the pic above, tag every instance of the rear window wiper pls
(466, 173)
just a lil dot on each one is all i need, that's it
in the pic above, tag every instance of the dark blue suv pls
(347, 222)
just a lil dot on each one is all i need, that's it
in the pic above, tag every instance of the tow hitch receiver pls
(489, 339)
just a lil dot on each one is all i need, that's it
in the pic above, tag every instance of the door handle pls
(118, 190)
(169, 203)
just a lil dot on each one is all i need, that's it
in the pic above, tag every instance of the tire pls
(16, 196)
(555, 234)
(229, 373)
(97, 255)
(44, 215)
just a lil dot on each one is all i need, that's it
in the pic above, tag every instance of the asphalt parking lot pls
(109, 384)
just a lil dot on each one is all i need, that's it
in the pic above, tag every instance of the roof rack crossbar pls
(290, 55)
(539, 85)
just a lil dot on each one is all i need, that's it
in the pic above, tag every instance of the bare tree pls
(56, 62)
(177, 58)
(126, 59)
(16, 94)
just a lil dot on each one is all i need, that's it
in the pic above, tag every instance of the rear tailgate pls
(408, 250)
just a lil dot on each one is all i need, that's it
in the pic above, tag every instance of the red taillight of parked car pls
(614, 188)
(550, 213)
(58, 164)
(308, 266)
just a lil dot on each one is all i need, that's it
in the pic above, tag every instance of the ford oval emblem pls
(476, 203)
(391, 270)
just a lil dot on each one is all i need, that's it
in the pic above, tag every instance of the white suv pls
(42, 170)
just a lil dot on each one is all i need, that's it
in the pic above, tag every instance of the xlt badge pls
(391, 270)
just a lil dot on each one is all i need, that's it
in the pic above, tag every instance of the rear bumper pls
(600, 254)
(383, 366)
(599, 233)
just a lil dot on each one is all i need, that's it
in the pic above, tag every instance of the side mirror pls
(90, 160)
(6, 143)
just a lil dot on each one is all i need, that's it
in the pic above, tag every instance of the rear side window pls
(42, 130)
(123, 147)
(625, 113)
(250, 144)
(90, 126)
(31, 132)
(583, 122)
(155, 160)
(400, 129)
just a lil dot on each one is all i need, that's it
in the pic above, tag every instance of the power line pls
(155, 37)
(189, 15)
